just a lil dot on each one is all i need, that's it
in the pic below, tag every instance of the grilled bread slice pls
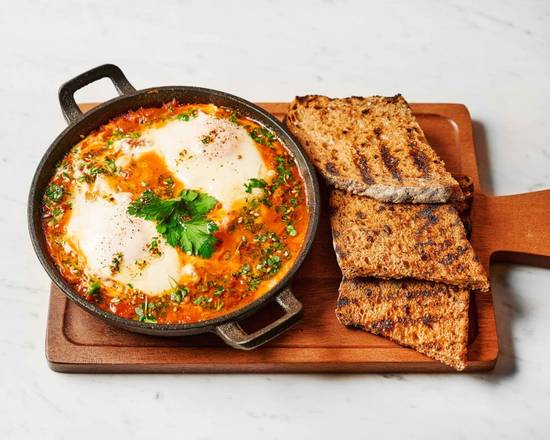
(430, 317)
(372, 147)
(386, 240)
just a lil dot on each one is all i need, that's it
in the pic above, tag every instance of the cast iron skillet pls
(226, 326)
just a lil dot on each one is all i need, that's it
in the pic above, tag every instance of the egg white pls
(100, 228)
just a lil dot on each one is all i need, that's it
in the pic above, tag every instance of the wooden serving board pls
(511, 227)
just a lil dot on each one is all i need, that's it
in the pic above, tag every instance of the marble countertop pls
(494, 56)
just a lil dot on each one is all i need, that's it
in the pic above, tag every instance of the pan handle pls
(70, 109)
(233, 334)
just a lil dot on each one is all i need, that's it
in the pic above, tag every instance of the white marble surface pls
(492, 55)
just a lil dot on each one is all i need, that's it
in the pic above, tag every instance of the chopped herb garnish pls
(181, 221)
(95, 170)
(115, 263)
(93, 288)
(284, 172)
(233, 119)
(262, 136)
(271, 265)
(253, 283)
(187, 116)
(93, 291)
(111, 165)
(143, 312)
(179, 294)
(206, 139)
(254, 183)
(245, 269)
(118, 134)
(200, 300)
(291, 230)
(57, 213)
(54, 192)
(153, 246)
(219, 290)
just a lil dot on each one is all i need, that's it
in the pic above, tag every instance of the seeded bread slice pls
(372, 147)
(430, 317)
(386, 240)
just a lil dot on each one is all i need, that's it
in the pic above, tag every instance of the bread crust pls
(372, 147)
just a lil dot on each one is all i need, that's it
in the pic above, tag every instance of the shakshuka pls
(175, 214)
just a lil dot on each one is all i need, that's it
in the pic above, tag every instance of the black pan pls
(226, 326)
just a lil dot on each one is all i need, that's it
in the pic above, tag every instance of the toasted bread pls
(372, 147)
(386, 240)
(430, 317)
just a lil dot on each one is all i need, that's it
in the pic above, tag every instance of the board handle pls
(234, 335)
(520, 225)
(70, 109)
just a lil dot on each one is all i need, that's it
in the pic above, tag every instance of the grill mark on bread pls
(362, 164)
(390, 162)
(419, 159)
(428, 214)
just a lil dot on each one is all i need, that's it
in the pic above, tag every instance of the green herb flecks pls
(57, 213)
(233, 119)
(291, 230)
(93, 291)
(153, 247)
(115, 263)
(181, 221)
(270, 265)
(254, 183)
(144, 312)
(188, 115)
(54, 193)
(179, 294)
(284, 171)
(111, 165)
(201, 300)
(262, 136)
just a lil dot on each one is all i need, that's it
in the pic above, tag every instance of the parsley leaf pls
(254, 183)
(181, 221)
